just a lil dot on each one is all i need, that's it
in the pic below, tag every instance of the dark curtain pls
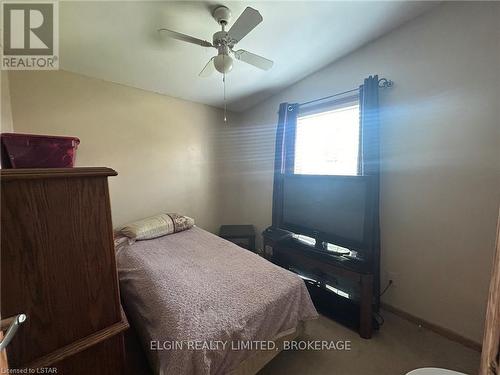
(370, 160)
(284, 154)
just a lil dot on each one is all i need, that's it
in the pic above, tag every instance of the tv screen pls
(336, 209)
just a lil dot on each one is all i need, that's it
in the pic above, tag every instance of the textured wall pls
(161, 147)
(440, 150)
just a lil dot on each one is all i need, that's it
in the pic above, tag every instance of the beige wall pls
(440, 145)
(5, 107)
(161, 147)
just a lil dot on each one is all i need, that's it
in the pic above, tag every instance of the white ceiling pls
(117, 41)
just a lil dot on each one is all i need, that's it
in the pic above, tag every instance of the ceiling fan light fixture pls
(223, 63)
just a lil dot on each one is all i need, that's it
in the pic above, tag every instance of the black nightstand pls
(241, 235)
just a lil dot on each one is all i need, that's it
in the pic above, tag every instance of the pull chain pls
(225, 107)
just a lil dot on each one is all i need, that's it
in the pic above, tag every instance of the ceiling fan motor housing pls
(221, 38)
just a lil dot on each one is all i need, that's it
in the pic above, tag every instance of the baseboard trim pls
(445, 332)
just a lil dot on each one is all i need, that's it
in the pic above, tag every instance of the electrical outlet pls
(394, 276)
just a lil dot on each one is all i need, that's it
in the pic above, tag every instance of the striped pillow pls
(157, 226)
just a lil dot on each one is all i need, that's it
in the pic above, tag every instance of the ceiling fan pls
(225, 41)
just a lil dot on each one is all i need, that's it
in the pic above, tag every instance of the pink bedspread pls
(193, 287)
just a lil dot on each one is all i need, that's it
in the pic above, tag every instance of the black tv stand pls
(349, 281)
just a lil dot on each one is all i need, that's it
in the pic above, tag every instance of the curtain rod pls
(382, 83)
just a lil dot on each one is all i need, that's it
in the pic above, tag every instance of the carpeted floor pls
(399, 346)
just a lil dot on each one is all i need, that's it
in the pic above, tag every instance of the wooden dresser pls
(58, 267)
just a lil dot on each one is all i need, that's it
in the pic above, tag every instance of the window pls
(327, 143)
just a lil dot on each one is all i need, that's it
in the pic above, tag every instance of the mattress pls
(201, 304)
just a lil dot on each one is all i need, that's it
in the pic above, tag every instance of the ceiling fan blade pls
(186, 38)
(244, 24)
(253, 59)
(208, 69)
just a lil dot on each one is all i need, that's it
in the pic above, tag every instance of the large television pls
(333, 209)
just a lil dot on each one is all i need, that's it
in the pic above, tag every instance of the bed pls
(188, 293)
